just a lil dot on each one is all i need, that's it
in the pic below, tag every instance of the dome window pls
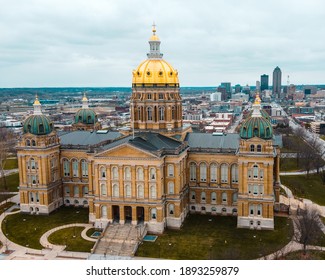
(138, 73)
(171, 73)
(160, 73)
(41, 128)
(148, 73)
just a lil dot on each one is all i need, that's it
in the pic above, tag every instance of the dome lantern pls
(154, 43)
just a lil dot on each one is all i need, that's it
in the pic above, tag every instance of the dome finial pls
(257, 99)
(85, 102)
(154, 28)
(37, 106)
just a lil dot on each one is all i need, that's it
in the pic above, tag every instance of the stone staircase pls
(120, 240)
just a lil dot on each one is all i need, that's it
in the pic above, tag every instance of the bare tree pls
(7, 143)
(306, 224)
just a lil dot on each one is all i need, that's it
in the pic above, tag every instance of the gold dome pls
(155, 71)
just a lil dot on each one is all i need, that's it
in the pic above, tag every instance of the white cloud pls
(99, 43)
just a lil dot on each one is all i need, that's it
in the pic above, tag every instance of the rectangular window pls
(75, 168)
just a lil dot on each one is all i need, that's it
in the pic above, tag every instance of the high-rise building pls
(264, 82)
(276, 82)
(227, 86)
(238, 88)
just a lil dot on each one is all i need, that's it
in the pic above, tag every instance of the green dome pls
(85, 116)
(38, 125)
(256, 127)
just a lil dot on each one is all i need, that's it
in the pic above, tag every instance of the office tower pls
(276, 82)
(264, 82)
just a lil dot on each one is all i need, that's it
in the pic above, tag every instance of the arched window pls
(261, 189)
(149, 113)
(127, 173)
(173, 113)
(103, 189)
(104, 212)
(203, 197)
(161, 113)
(259, 148)
(140, 191)
(33, 143)
(75, 168)
(66, 190)
(203, 172)
(193, 195)
(140, 173)
(170, 169)
(85, 191)
(127, 190)
(224, 173)
(171, 188)
(193, 171)
(234, 197)
(214, 209)
(37, 196)
(153, 213)
(224, 197)
(103, 172)
(252, 148)
(152, 174)
(32, 163)
(66, 168)
(259, 210)
(213, 197)
(84, 168)
(234, 173)
(115, 190)
(153, 192)
(76, 191)
(255, 171)
(114, 173)
(31, 197)
(213, 172)
(171, 209)
(255, 132)
(251, 210)
(267, 132)
(261, 173)
(27, 142)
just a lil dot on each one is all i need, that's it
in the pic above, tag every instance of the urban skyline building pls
(264, 82)
(277, 75)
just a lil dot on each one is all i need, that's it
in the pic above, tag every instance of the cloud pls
(100, 42)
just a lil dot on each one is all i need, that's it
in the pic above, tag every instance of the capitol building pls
(156, 172)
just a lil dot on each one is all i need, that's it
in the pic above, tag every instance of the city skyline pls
(75, 44)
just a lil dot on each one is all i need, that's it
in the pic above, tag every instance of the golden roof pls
(36, 102)
(155, 71)
(84, 98)
(257, 99)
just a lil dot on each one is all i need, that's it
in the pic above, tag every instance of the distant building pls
(276, 82)
(318, 127)
(264, 82)
(227, 86)
(258, 86)
(238, 88)
(215, 96)
(309, 90)
(223, 91)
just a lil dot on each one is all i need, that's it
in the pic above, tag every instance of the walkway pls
(120, 240)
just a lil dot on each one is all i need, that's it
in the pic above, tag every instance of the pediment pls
(126, 151)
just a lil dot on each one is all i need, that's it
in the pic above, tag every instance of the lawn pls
(310, 255)
(217, 237)
(4, 197)
(26, 229)
(11, 163)
(289, 164)
(291, 143)
(71, 237)
(311, 188)
(12, 182)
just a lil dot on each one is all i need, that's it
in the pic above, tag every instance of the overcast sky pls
(61, 43)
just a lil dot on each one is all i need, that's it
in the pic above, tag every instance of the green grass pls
(289, 164)
(11, 163)
(291, 143)
(322, 137)
(4, 197)
(12, 182)
(71, 237)
(5, 206)
(26, 229)
(310, 255)
(311, 188)
(202, 239)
